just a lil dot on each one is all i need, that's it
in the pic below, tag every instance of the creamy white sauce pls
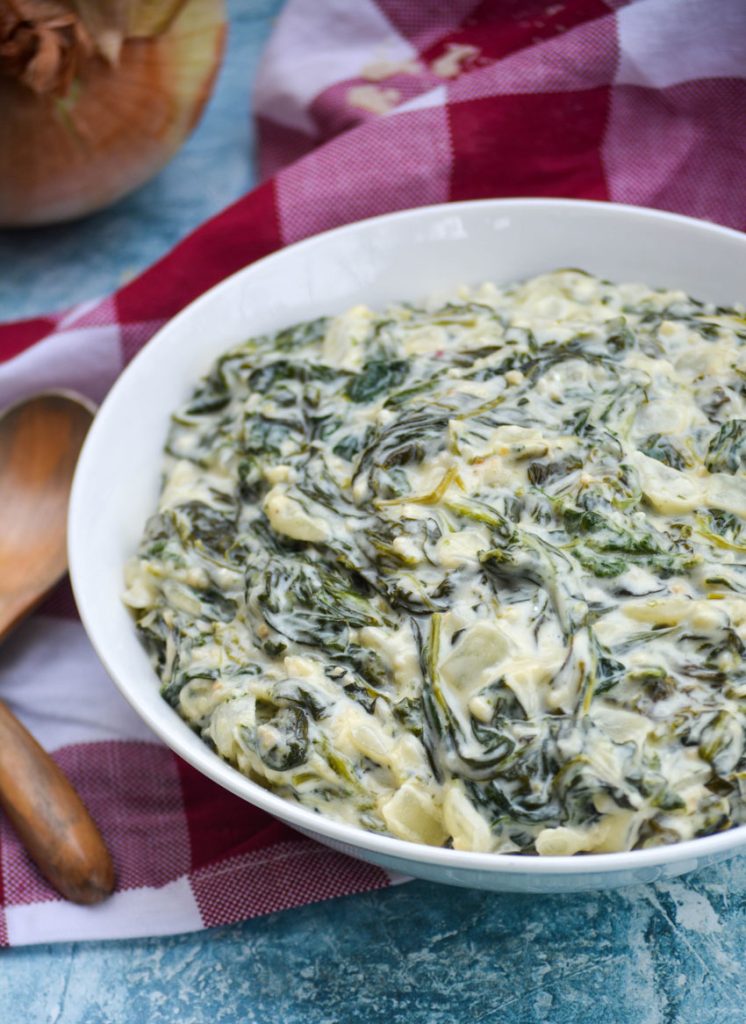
(472, 575)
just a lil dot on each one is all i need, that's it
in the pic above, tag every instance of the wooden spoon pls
(40, 440)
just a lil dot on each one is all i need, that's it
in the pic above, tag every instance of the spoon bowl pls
(40, 440)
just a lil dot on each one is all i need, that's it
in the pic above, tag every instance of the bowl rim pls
(170, 728)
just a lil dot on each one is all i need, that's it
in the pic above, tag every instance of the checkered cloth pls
(362, 108)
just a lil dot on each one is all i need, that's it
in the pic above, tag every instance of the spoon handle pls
(50, 818)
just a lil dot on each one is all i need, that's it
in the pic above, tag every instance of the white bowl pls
(407, 255)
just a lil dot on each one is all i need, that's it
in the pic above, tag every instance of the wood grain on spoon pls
(50, 818)
(40, 441)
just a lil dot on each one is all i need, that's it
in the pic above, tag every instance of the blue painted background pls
(421, 954)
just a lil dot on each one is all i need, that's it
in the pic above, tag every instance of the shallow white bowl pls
(407, 255)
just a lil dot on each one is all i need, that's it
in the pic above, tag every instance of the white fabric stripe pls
(87, 359)
(308, 54)
(436, 97)
(77, 312)
(396, 878)
(126, 915)
(52, 679)
(663, 42)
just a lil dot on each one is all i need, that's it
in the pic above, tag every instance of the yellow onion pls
(96, 96)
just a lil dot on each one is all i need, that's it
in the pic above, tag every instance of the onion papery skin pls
(118, 124)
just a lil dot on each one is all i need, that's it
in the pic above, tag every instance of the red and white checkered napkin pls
(414, 103)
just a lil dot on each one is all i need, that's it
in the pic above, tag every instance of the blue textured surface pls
(421, 954)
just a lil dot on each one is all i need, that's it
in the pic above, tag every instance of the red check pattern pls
(629, 101)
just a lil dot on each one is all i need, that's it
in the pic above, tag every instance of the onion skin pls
(116, 124)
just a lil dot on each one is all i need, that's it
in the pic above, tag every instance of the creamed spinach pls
(472, 574)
